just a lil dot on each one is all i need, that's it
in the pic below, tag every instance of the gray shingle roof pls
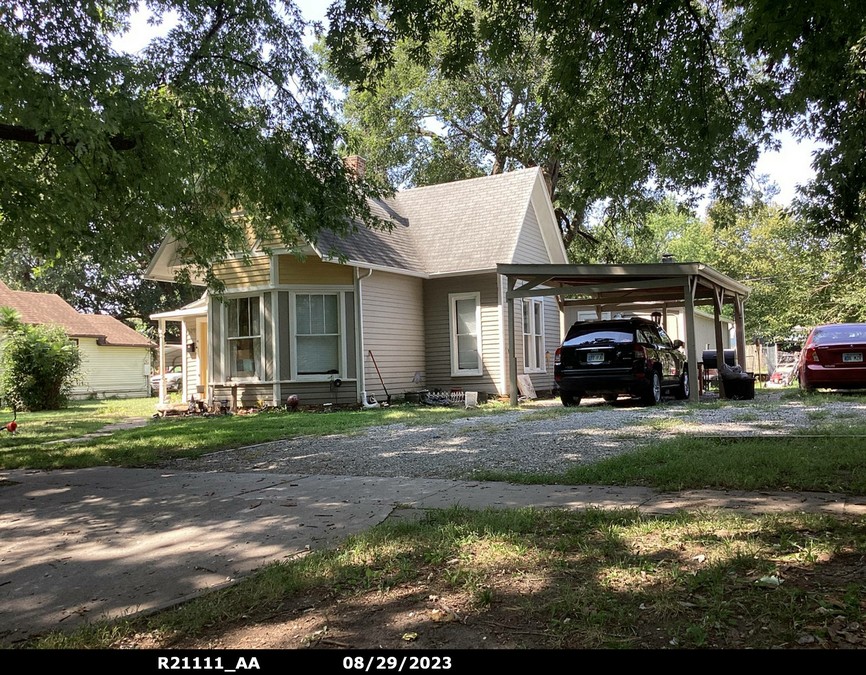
(394, 248)
(452, 227)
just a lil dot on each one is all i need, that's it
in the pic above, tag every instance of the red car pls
(834, 357)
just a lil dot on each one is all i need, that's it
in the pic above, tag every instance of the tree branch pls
(20, 134)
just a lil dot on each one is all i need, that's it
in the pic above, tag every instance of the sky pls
(788, 167)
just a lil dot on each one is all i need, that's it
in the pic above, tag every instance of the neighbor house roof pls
(49, 308)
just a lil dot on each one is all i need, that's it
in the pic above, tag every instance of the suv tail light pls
(557, 357)
(639, 352)
(812, 355)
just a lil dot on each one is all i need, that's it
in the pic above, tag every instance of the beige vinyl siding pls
(192, 368)
(393, 312)
(240, 274)
(530, 249)
(438, 333)
(312, 271)
(530, 244)
(123, 372)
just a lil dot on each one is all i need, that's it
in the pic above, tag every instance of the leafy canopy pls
(675, 95)
(102, 151)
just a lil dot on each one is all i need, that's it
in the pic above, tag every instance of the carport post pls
(162, 391)
(740, 323)
(691, 346)
(183, 358)
(512, 354)
(718, 299)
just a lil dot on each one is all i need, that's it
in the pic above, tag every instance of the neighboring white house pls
(705, 335)
(115, 358)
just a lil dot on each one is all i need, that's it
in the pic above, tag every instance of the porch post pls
(183, 358)
(718, 299)
(691, 346)
(162, 392)
(512, 353)
(665, 317)
(740, 330)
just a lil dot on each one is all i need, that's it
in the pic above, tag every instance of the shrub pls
(39, 364)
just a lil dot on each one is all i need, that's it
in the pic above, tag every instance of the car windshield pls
(830, 335)
(594, 336)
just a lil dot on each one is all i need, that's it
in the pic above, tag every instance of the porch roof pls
(195, 308)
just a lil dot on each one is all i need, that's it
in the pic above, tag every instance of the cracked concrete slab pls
(79, 545)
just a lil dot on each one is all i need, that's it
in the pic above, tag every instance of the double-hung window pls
(245, 337)
(465, 325)
(317, 334)
(533, 336)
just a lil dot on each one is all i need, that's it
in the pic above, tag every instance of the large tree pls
(103, 152)
(677, 95)
(421, 125)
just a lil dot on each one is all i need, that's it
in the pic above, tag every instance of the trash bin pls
(740, 388)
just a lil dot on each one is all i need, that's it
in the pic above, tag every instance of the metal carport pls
(609, 287)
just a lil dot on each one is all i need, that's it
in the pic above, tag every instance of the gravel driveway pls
(540, 439)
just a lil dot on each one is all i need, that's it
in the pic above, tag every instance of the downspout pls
(362, 380)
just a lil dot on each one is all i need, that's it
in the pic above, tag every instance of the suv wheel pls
(682, 391)
(569, 400)
(653, 395)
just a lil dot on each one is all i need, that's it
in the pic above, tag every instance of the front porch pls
(193, 322)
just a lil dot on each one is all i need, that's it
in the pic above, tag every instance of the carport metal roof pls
(606, 287)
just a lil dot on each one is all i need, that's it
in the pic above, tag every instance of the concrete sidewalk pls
(80, 545)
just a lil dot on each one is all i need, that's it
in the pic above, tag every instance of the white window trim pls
(341, 331)
(456, 371)
(228, 340)
(528, 367)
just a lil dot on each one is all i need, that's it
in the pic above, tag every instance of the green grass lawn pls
(527, 578)
(185, 436)
(828, 464)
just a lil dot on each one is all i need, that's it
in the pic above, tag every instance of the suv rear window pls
(594, 336)
(829, 335)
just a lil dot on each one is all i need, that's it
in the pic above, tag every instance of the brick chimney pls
(356, 164)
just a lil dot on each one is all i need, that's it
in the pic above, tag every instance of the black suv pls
(624, 356)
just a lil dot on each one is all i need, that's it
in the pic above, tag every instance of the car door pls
(649, 340)
(672, 358)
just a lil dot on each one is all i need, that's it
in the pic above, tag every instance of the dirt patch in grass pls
(525, 578)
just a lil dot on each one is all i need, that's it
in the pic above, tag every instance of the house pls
(421, 305)
(115, 358)
(705, 337)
